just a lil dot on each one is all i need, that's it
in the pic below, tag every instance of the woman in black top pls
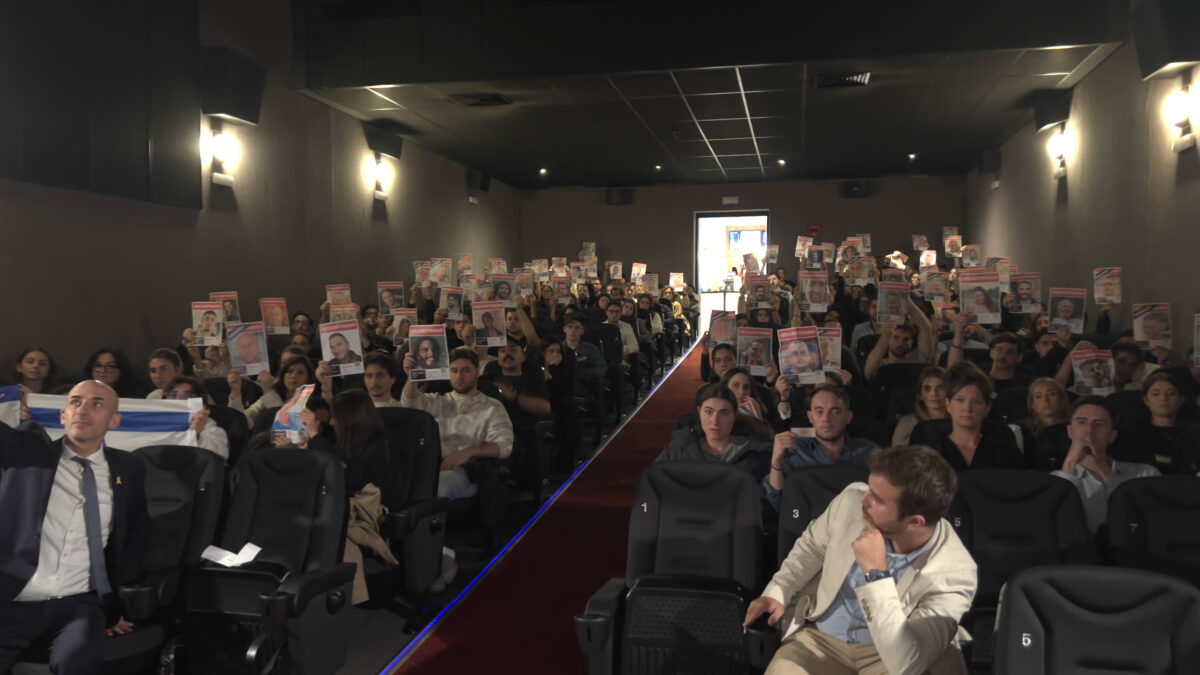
(1167, 442)
(968, 442)
(362, 443)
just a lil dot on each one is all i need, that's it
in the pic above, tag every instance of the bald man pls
(75, 529)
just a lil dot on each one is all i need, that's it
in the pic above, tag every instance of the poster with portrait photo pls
(865, 238)
(287, 423)
(562, 289)
(439, 272)
(488, 318)
(893, 302)
(758, 292)
(754, 350)
(972, 255)
(828, 252)
(750, 264)
(342, 313)
(588, 250)
(541, 269)
(945, 311)
(497, 266)
(558, 267)
(650, 284)
(800, 355)
(831, 347)
(207, 327)
(1106, 285)
(893, 274)
(275, 316)
(928, 258)
(1093, 372)
(391, 296)
(815, 258)
(954, 246)
(1001, 266)
(949, 231)
(338, 294)
(247, 347)
(403, 319)
(230, 309)
(895, 260)
(861, 271)
(722, 328)
(341, 347)
(814, 292)
(979, 294)
(852, 248)
(577, 275)
(771, 256)
(475, 287)
(524, 281)
(802, 245)
(1066, 307)
(465, 263)
(504, 289)
(920, 242)
(636, 271)
(677, 281)
(420, 272)
(428, 345)
(451, 300)
(935, 285)
(1027, 292)
(1152, 325)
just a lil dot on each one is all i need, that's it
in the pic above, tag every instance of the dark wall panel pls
(117, 90)
(174, 104)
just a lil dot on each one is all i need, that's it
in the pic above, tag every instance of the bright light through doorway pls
(722, 241)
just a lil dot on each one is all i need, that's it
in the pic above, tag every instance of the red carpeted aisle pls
(518, 618)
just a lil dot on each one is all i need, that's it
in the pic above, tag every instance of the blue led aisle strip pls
(395, 662)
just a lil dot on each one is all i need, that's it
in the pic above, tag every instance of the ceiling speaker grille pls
(831, 80)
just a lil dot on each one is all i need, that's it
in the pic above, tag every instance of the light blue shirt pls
(844, 618)
(808, 452)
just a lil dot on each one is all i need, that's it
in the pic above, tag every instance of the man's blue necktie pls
(91, 516)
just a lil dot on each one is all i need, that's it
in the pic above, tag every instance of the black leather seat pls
(285, 612)
(807, 492)
(236, 428)
(1151, 525)
(1077, 619)
(1010, 405)
(693, 565)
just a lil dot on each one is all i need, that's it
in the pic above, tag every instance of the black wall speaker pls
(382, 139)
(618, 196)
(478, 181)
(989, 161)
(854, 189)
(1164, 33)
(232, 85)
(1054, 107)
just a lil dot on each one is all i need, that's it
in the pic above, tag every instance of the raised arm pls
(926, 340)
(878, 352)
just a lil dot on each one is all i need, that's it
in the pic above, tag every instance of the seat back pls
(237, 429)
(291, 503)
(807, 492)
(265, 421)
(696, 519)
(1010, 405)
(1075, 619)
(217, 389)
(415, 455)
(184, 488)
(1130, 408)
(1144, 526)
(1012, 520)
(870, 429)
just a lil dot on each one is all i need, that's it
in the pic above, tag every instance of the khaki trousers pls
(808, 651)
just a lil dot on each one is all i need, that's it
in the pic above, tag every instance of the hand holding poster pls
(275, 315)
(980, 296)
(1066, 307)
(229, 305)
(893, 302)
(391, 296)
(920, 242)
(800, 355)
(1152, 325)
(722, 327)
(341, 348)
(1093, 371)
(1027, 293)
(489, 323)
(814, 292)
(338, 294)
(452, 302)
(758, 292)
(287, 419)
(754, 349)
(206, 324)
(403, 319)
(427, 344)
(247, 347)
(1106, 285)
(831, 348)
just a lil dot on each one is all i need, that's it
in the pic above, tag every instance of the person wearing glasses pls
(113, 368)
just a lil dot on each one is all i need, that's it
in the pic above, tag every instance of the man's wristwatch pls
(876, 575)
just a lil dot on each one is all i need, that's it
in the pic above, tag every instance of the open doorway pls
(723, 238)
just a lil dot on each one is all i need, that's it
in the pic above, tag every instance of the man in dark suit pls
(74, 528)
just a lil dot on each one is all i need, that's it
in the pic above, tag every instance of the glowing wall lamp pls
(224, 151)
(1060, 145)
(384, 140)
(1179, 110)
(384, 175)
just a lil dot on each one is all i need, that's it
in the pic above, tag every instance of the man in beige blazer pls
(877, 584)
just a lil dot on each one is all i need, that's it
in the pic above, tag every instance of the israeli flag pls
(143, 422)
(10, 405)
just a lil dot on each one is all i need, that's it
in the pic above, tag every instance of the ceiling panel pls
(638, 85)
(707, 81)
(717, 106)
(725, 129)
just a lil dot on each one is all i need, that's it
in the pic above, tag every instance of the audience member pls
(1164, 440)
(896, 342)
(380, 372)
(879, 533)
(930, 404)
(750, 404)
(718, 438)
(113, 368)
(1004, 351)
(293, 372)
(965, 445)
(165, 366)
(361, 441)
(590, 365)
(1129, 368)
(36, 370)
(209, 435)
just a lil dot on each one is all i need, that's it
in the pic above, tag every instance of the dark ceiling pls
(726, 122)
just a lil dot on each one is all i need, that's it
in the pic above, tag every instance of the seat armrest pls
(596, 627)
(762, 640)
(311, 585)
(150, 591)
(402, 521)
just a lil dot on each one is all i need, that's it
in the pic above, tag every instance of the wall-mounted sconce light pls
(1180, 110)
(224, 150)
(383, 174)
(1060, 145)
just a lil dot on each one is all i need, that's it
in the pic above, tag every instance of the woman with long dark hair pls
(113, 368)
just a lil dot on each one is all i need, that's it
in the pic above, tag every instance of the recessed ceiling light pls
(542, 171)
(783, 162)
(912, 156)
(658, 167)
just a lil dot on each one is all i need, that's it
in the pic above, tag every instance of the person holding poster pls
(452, 302)
(428, 345)
(338, 294)
(338, 348)
(1106, 285)
(1066, 307)
(1027, 293)
(722, 326)
(980, 296)
(920, 243)
(891, 302)
(488, 329)
(275, 315)
(465, 263)
(420, 272)
(1152, 325)
(814, 292)
(206, 324)
(439, 271)
(248, 347)
(800, 355)
(815, 259)
(391, 296)
(754, 349)
(831, 348)
(1093, 370)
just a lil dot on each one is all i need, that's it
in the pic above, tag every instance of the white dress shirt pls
(464, 421)
(64, 562)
